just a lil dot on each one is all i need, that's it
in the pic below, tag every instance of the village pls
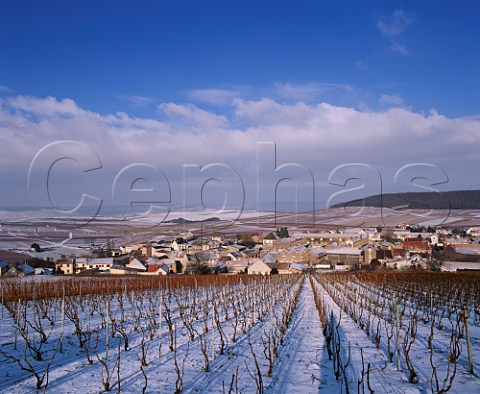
(265, 253)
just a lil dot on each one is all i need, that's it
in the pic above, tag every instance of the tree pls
(198, 269)
(58, 271)
(375, 264)
(35, 247)
(282, 232)
(245, 237)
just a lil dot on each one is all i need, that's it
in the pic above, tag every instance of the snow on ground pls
(459, 265)
(384, 377)
(302, 365)
(387, 376)
(70, 364)
(441, 221)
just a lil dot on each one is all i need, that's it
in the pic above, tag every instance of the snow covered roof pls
(26, 269)
(207, 255)
(237, 255)
(299, 248)
(101, 260)
(43, 271)
(342, 250)
(318, 251)
(466, 248)
(241, 263)
(298, 267)
(459, 265)
(268, 258)
(259, 266)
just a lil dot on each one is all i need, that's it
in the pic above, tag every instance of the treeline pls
(459, 199)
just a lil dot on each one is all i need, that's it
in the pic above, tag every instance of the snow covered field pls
(332, 332)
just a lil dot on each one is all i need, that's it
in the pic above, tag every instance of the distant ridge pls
(459, 199)
(186, 221)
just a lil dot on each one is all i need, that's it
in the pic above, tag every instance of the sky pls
(231, 104)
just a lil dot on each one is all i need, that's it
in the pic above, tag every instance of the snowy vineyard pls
(337, 332)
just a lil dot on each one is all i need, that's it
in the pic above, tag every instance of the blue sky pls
(101, 53)
(168, 83)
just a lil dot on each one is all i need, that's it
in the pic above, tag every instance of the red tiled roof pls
(398, 252)
(415, 245)
(153, 267)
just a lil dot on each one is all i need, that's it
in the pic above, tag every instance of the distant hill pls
(186, 221)
(459, 199)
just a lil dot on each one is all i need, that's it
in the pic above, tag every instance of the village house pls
(268, 240)
(157, 269)
(43, 271)
(3, 268)
(259, 268)
(294, 254)
(159, 251)
(463, 252)
(343, 257)
(100, 264)
(136, 264)
(285, 243)
(80, 265)
(217, 237)
(115, 252)
(369, 252)
(238, 266)
(268, 258)
(174, 266)
(180, 244)
(326, 238)
(473, 231)
(322, 264)
(209, 258)
(252, 253)
(65, 266)
(383, 255)
(117, 269)
(295, 268)
(210, 245)
(21, 270)
(454, 241)
(415, 246)
(129, 248)
(282, 268)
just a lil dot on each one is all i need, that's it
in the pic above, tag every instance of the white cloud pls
(290, 92)
(392, 27)
(5, 89)
(137, 101)
(49, 106)
(391, 100)
(190, 115)
(318, 136)
(361, 65)
(309, 91)
(399, 48)
(214, 96)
